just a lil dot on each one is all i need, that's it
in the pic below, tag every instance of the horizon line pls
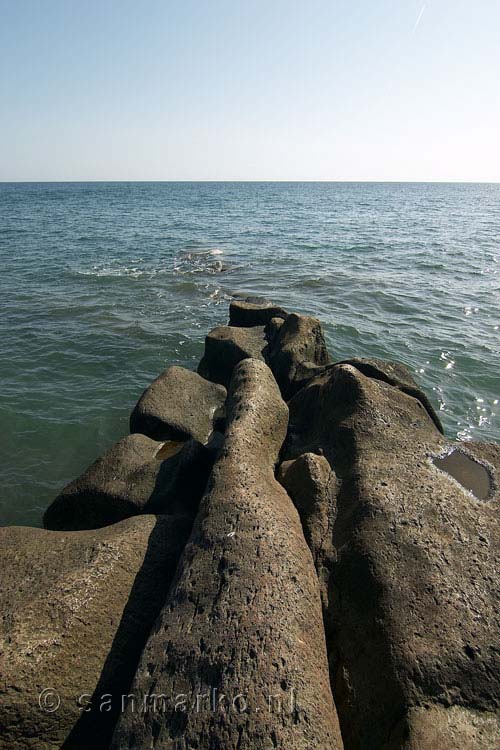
(203, 180)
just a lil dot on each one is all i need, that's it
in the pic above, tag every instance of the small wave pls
(219, 297)
(134, 273)
(193, 254)
(310, 283)
(200, 261)
(108, 271)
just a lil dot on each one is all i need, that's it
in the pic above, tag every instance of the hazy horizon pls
(334, 182)
(333, 91)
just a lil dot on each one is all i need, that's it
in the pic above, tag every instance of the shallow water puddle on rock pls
(169, 449)
(470, 473)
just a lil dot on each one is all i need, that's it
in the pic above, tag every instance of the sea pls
(103, 285)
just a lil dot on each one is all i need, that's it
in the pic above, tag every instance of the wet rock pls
(137, 475)
(254, 311)
(297, 349)
(225, 346)
(76, 609)
(413, 611)
(179, 405)
(468, 472)
(484, 483)
(397, 375)
(251, 664)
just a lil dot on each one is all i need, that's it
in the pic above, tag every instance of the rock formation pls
(254, 311)
(179, 405)
(315, 535)
(76, 609)
(247, 591)
(411, 613)
(137, 475)
(298, 349)
(225, 346)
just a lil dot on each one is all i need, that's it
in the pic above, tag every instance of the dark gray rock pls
(76, 609)
(298, 348)
(272, 330)
(253, 311)
(413, 646)
(225, 346)
(137, 475)
(179, 405)
(242, 624)
(397, 375)
(313, 486)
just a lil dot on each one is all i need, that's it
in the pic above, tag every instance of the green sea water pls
(104, 284)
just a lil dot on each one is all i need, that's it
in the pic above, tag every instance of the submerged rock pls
(240, 641)
(137, 475)
(225, 346)
(412, 603)
(76, 610)
(179, 405)
(254, 311)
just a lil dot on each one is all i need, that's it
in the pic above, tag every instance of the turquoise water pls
(104, 284)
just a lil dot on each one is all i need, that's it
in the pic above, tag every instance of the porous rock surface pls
(355, 551)
(397, 375)
(225, 346)
(137, 475)
(313, 486)
(75, 611)
(242, 624)
(413, 597)
(254, 311)
(298, 348)
(179, 405)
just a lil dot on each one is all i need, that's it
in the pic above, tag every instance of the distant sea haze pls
(105, 284)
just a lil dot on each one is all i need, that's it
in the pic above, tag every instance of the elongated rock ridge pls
(406, 555)
(240, 639)
(285, 553)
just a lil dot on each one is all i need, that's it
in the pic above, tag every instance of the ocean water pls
(104, 284)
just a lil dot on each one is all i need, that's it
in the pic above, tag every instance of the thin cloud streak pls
(417, 23)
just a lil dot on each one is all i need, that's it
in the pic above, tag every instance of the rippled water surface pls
(103, 285)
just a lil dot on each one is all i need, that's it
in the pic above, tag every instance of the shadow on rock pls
(100, 711)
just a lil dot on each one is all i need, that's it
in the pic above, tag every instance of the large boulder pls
(76, 609)
(298, 349)
(254, 311)
(397, 375)
(137, 475)
(225, 346)
(237, 658)
(412, 596)
(179, 405)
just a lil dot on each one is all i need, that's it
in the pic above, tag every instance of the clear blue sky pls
(267, 89)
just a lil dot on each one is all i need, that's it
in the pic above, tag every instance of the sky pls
(260, 90)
